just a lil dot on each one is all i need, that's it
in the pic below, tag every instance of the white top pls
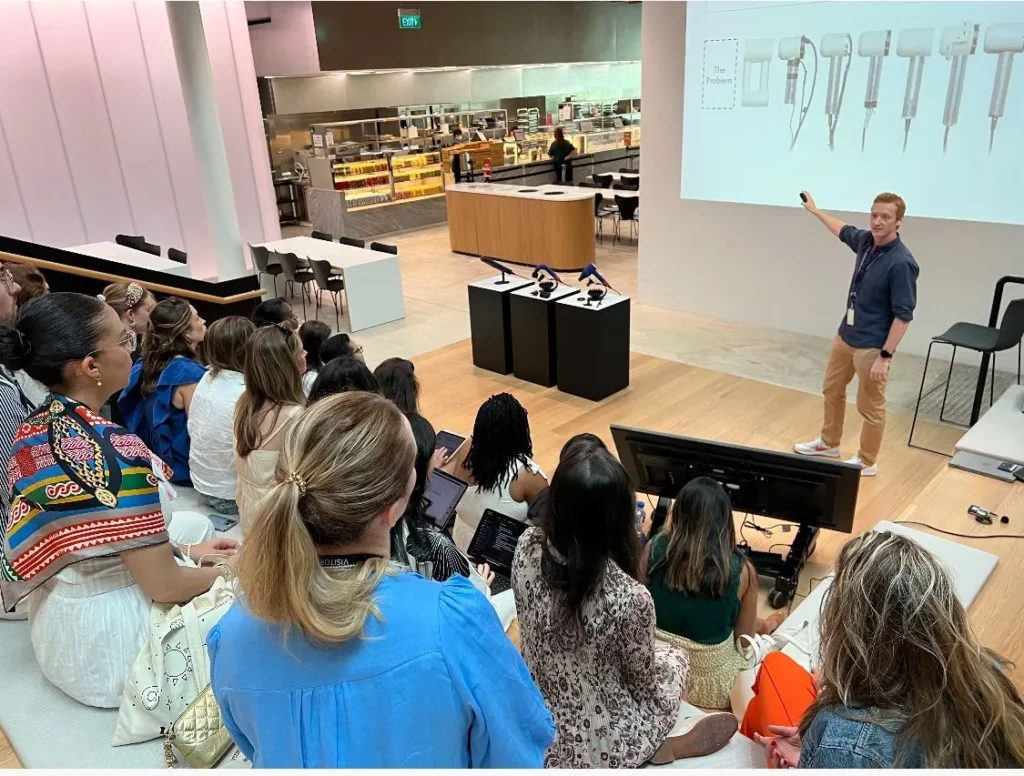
(122, 254)
(256, 470)
(211, 428)
(340, 256)
(308, 379)
(548, 192)
(474, 501)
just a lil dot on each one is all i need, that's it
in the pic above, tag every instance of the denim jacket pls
(846, 738)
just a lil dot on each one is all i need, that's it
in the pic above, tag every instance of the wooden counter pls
(550, 224)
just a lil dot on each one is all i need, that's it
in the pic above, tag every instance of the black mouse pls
(803, 197)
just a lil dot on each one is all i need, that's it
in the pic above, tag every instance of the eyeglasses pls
(129, 341)
(357, 351)
(7, 279)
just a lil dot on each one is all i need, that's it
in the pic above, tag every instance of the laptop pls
(984, 465)
(442, 495)
(494, 543)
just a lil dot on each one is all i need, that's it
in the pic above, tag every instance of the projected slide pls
(847, 99)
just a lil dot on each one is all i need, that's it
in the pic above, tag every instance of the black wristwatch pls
(885, 354)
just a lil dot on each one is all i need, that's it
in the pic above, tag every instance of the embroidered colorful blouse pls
(81, 487)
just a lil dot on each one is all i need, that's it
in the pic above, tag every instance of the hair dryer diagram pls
(875, 46)
(957, 43)
(792, 51)
(757, 52)
(1005, 40)
(835, 47)
(916, 45)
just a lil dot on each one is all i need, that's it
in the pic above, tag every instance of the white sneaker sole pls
(828, 452)
(869, 471)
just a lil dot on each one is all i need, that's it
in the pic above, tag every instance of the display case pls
(417, 175)
(364, 182)
(389, 179)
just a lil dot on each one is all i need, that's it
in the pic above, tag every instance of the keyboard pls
(500, 584)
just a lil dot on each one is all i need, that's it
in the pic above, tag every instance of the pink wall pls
(287, 44)
(94, 139)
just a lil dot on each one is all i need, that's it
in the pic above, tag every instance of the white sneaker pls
(865, 470)
(755, 648)
(816, 447)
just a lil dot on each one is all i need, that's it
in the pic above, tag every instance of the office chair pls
(383, 248)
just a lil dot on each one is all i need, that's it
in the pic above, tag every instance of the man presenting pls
(879, 307)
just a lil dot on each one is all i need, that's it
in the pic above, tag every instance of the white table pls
(547, 191)
(618, 176)
(373, 280)
(122, 254)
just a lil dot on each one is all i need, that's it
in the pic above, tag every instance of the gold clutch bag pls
(198, 734)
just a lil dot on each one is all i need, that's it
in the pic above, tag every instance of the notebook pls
(494, 543)
(442, 495)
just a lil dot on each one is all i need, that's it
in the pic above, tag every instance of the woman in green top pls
(704, 590)
(560, 151)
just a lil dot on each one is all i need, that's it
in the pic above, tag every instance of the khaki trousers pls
(843, 363)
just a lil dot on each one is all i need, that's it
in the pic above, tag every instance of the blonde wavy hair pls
(895, 641)
(346, 460)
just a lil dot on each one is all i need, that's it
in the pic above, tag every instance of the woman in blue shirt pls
(334, 657)
(156, 402)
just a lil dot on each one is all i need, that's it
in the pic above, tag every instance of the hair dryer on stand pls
(756, 51)
(500, 267)
(791, 50)
(546, 284)
(874, 45)
(915, 45)
(1005, 40)
(956, 44)
(835, 47)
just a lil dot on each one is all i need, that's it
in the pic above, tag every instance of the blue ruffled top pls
(155, 419)
(434, 683)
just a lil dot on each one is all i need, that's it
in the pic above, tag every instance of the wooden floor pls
(674, 397)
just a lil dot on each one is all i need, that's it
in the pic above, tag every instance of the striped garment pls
(81, 487)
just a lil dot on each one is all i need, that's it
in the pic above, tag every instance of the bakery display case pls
(364, 182)
(388, 179)
(417, 175)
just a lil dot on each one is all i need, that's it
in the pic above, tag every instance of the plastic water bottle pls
(641, 516)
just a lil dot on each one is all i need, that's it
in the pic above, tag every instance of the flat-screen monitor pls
(810, 491)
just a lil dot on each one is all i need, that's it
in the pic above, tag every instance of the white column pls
(193, 58)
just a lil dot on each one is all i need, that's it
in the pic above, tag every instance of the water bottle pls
(641, 516)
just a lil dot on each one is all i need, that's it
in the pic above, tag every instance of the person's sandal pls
(707, 735)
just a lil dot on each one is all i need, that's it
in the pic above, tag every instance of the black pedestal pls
(593, 346)
(533, 334)
(490, 331)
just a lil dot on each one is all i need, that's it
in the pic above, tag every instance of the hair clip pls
(293, 478)
(133, 296)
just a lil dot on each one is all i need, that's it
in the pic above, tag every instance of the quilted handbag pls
(198, 734)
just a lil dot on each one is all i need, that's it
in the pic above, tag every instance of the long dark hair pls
(51, 331)
(166, 338)
(397, 380)
(270, 312)
(589, 521)
(415, 516)
(701, 541)
(338, 346)
(341, 375)
(501, 437)
(313, 335)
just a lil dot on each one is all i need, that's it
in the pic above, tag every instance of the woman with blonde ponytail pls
(332, 648)
(904, 682)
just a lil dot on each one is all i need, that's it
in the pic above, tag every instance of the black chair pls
(604, 180)
(629, 183)
(293, 275)
(135, 241)
(627, 212)
(264, 264)
(179, 256)
(326, 282)
(981, 339)
(322, 236)
(383, 248)
(588, 185)
(628, 171)
(151, 249)
(355, 242)
(601, 212)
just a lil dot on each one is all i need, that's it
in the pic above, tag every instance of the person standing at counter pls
(560, 150)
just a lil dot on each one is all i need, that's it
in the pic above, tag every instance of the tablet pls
(450, 441)
(442, 496)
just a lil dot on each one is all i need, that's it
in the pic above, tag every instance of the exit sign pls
(409, 18)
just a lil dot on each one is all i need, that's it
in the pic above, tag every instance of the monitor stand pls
(784, 569)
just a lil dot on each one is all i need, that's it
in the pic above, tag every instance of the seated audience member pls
(903, 681)
(496, 463)
(274, 363)
(416, 541)
(89, 592)
(340, 346)
(133, 305)
(704, 591)
(309, 666)
(585, 441)
(32, 283)
(313, 335)
(157, 401)
(397, 380)
(340, 375)
(211, 421)
(587, 628)
(275, 312)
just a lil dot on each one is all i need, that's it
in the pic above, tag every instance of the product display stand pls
(592, 345)
(533, 333)
(489, 322)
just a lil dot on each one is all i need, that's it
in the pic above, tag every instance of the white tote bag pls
(173, 667)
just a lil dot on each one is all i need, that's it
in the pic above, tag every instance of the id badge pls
(850, 317)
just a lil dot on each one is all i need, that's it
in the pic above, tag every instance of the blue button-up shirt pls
(883, 288)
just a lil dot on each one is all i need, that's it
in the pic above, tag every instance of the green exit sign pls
(409, 18)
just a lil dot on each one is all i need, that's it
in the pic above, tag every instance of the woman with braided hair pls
(496, 463)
